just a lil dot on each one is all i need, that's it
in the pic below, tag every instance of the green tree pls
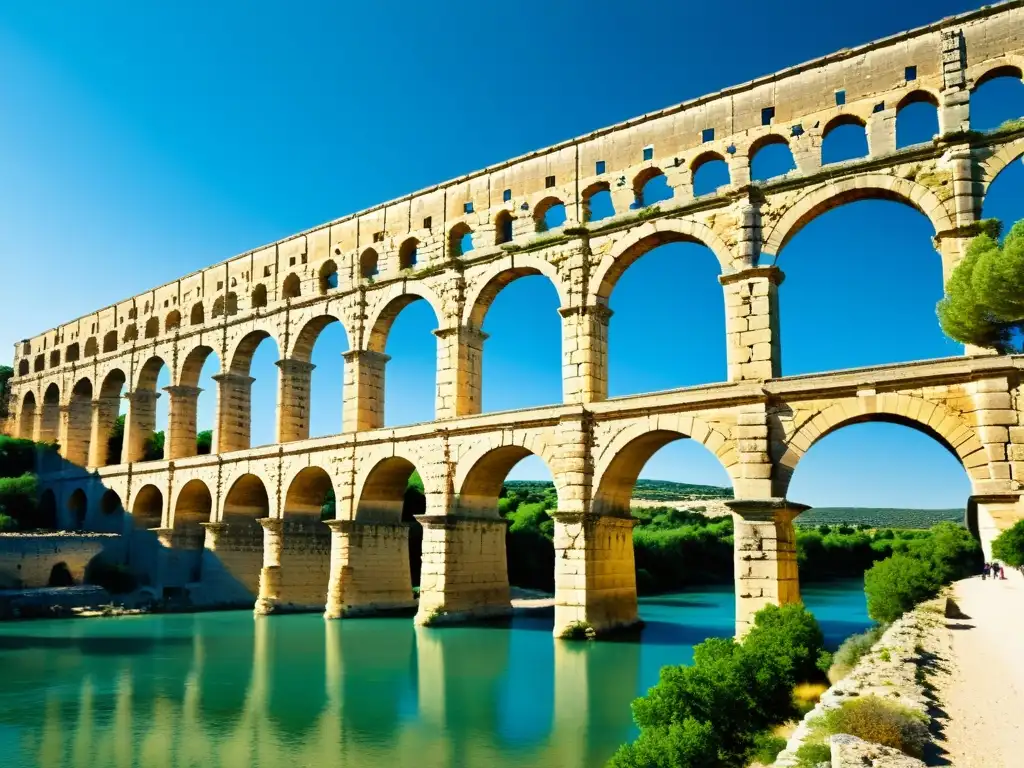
(6, 372)
(115, 441)
(1009, 545)
(153, 448)
(204, 442)
(898, 583)
(984, 301)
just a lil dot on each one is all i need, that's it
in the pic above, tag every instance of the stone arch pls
(918, 96)
(111, 511)
(645, 238)
(198, 314)
(173, 321)
(369, 264)
(641, 189)
(390, 303)
(847, 118)
(49, 416)
(327, 276)
(306, 493)
(240, 355)
(27, 416)
(482, 471)
(246, 501)
(1012, 67)
(407, 253)
(993, 165)
(503, 231)
(932, 419)
(619, 463)
(148, 373)
(23, 368)
(703, 159)
(192, 506)
(55, 358)
(867, 187)
(541, 210)
(768, 140)
(110, 341)
(259, 296)
(587, 195)
(193, 364)
(113, 383)
(455, 237)
(78, 509)
(305, 340)
(92, 347)
(73, 353)
(148, 508)
(79, 422)
(484, 288)
(292, 287)
(381, 494)
(152, 329)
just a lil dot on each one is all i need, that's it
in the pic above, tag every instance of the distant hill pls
(655, 492)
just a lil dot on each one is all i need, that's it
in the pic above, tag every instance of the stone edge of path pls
(895, 679)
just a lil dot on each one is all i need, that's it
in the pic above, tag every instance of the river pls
(225, 689)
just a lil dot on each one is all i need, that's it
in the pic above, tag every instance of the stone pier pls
(232, 563)
(765, 560)
(595, 573)
(369, 569)
(296, 558)
(465, 573)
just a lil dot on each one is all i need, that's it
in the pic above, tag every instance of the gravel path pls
(980, 675)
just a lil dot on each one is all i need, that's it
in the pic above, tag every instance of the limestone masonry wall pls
(27, 560)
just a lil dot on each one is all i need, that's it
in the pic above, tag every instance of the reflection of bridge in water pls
(298, 692)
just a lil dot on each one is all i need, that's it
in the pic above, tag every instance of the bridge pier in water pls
(464, 575)
(369, 569)
(296, 560)
(232, 563)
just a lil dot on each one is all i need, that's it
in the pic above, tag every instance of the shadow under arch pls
(238, 541)
(193, 506)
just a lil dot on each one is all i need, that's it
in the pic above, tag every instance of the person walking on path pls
(984, 571)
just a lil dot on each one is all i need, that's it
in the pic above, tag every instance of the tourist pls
(1002, 573)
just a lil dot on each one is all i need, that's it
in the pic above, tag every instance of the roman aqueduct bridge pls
(244, 521)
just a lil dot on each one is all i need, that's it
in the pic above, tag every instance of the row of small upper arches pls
(709, 171)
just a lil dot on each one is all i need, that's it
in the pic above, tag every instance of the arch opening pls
(197, 315)
(845, 138)
(404, 332)
(27, 416)
(710, 172)
(148, 508)
(650, 187)
(110, 341)
(79, 433)
(323, 343)
(328, 276)
(460, 240)
(292, 287)
(78, 508)
(199, 370)
(308, 495)
(770, 157)
(597, 202)
(549, 214)
(173, 321)
(503, 228)
(255, 357)
(917, 119)
(997, 99)
(246, 502)
(193, 507)
(392, 493)
(111, 416)
(875, 231)
(49, 416)
(369, 264)
(664, 282)
(149, 412)
(408, 253)
(259, 296)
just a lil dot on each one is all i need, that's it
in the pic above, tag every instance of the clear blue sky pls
(142, 141)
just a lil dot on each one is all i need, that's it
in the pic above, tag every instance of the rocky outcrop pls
(889, 671)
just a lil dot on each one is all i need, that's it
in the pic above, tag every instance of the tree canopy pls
(984, 301)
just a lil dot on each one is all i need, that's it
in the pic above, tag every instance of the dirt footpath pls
(979, 675)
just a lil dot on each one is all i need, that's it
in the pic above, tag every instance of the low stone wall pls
(27, 559)
(888, 671)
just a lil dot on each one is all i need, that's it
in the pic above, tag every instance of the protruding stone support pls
(296, 559)
(234, 412)
(752, 323)
(585, 353)
(139, 424)
(363, 404)
(181, 422)
(369, 569)
(459, 360)
(105, 411)
(765, 546)
(464, 575)
(293, 400)
(232, 563)
(595, 573)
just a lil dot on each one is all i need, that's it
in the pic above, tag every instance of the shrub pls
(850, 652)
(17, 457)
(1008, 546)
(691, 743)
(810, 755)
(766, 748)
(792, 633)
(19, 499)
(8, 523)
(117, 579)
(896, 584)
(883, 722)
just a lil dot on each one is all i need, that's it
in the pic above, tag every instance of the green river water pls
(225, 689)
